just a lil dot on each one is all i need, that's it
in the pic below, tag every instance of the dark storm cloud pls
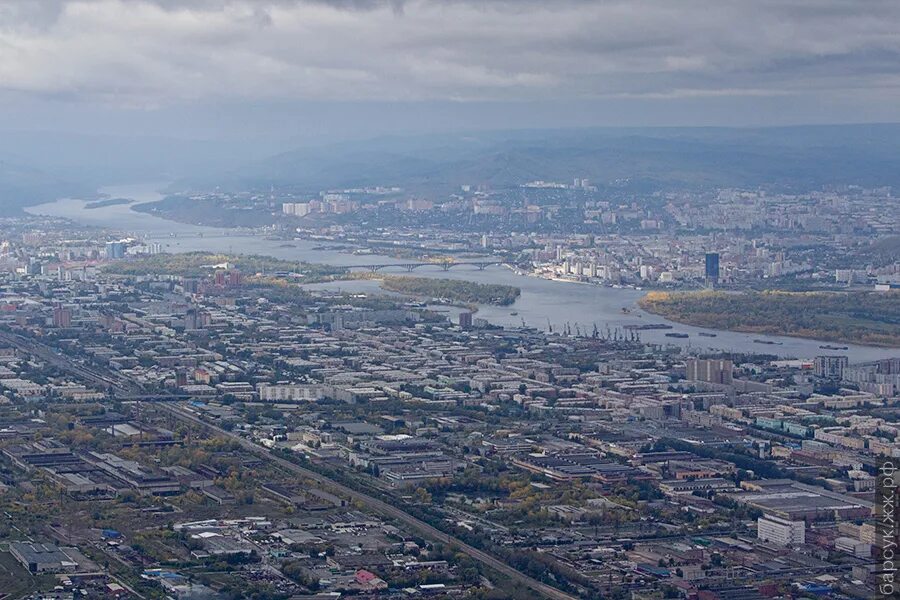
(154, 53)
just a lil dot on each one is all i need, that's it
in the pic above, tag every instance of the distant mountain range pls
(22, 185)
(791, 158)
(37, 167)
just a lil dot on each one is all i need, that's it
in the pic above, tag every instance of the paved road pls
(124, 388)
(379, 506)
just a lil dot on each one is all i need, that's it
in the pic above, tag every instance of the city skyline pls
(457, 300)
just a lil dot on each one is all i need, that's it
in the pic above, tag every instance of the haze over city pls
(465, 299)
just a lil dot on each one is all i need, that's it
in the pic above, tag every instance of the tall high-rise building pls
(709, 370)
(62, 317)
(831, 367)
(191, 319)
(190, 285)
(115, 250)
(195, 319)
(465, 320)
(712, 268)
(34, 266)
(297, 209)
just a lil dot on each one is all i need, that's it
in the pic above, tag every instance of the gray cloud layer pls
(128, 53)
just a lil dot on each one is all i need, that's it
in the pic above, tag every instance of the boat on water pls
(830, 347)
(513, 314)
(704, 334)
(676, 334)
(647, 326)
(768, 342)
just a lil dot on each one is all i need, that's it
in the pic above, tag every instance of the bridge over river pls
(410, 267)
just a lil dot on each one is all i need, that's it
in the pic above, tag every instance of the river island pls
(859, 317)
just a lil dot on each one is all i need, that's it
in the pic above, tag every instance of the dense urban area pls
(585, 232)
(220, 425)
(449, 300)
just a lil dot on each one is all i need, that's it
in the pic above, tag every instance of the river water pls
(543, 302)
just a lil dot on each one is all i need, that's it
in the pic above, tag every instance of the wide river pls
(543, 302)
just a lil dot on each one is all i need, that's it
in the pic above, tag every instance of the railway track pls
(124, 389)
(378, 506)
(64, 362)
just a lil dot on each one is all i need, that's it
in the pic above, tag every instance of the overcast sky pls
(215, 68)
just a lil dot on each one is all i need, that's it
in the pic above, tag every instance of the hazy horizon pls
(459, 299)
(233, 92)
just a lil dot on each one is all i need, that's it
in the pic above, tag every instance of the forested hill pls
(796, 158)
(22, 186)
